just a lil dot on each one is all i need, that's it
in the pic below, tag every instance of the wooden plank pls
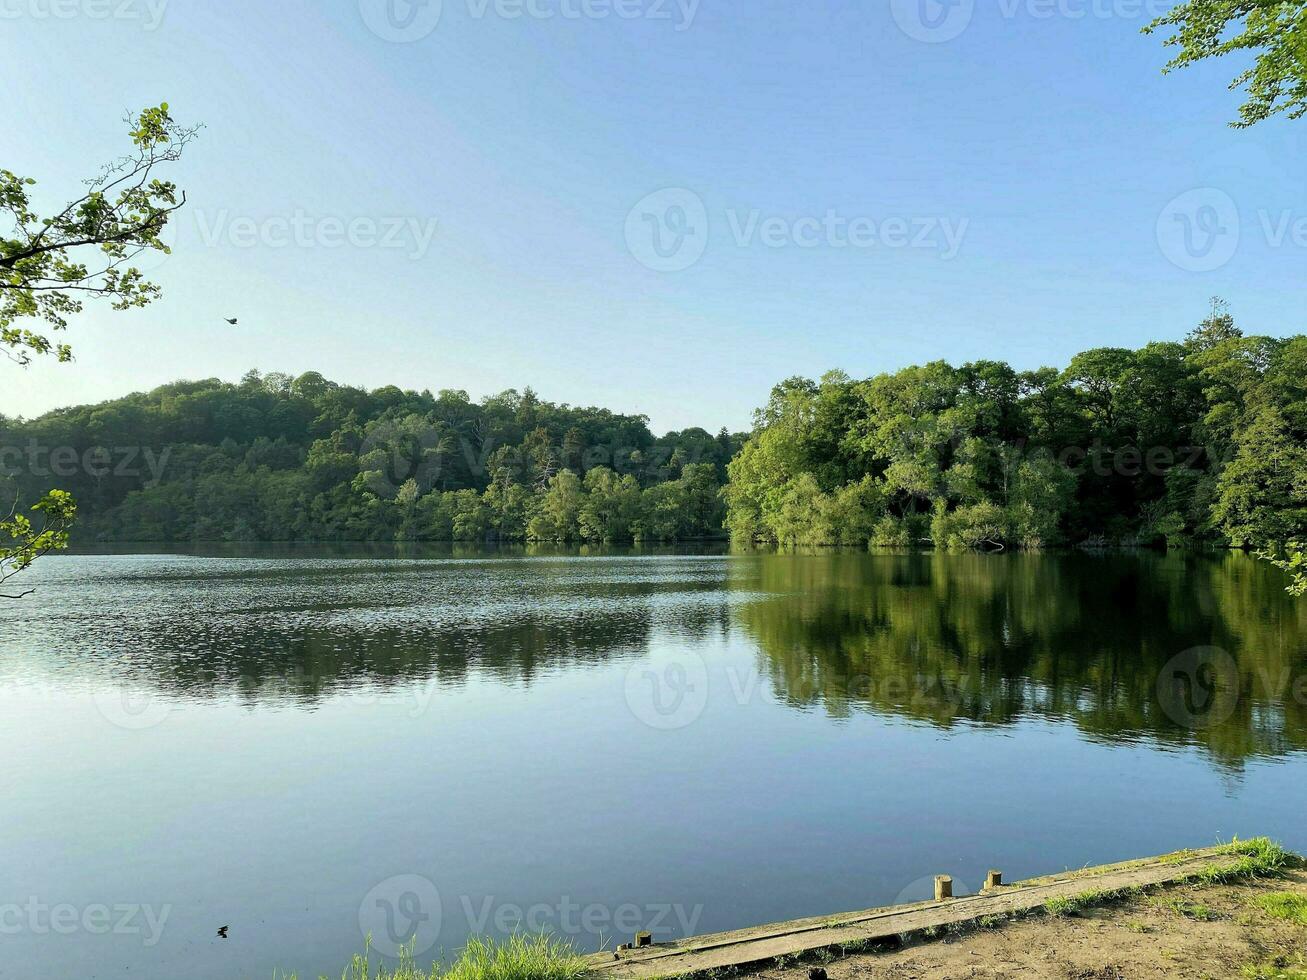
(744, 947)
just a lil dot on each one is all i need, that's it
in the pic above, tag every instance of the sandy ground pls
(1182, 932)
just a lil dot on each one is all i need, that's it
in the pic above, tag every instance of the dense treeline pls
(277, 458)
(1201, 441)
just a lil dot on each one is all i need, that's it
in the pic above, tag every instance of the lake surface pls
(307, 746)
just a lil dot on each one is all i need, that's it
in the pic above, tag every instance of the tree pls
(124, 210)
(853, 510)
(1276, 30)
(57, 509)
(510, 507)
(1166, 444)
(1101, 377)
(560, 509)
(702, 514)
(801, 516)
(1293, 561)
(1216, 329)
(44, 276)
(1262, 493)
(610, 507)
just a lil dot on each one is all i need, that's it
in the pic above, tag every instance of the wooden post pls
(943, 887)
(643, 939)
(993, 879)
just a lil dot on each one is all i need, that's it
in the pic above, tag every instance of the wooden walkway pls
(745, 947)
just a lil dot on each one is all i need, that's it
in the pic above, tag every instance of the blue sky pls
(662, 207)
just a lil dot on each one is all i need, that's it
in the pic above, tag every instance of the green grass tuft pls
(1075, 904)
(1191, 910)
(1072, 904)
(1285, 905)
(522, 957)
(519, 958)
(1260, 858)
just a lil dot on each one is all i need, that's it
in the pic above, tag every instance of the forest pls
(276, 458)
(1200, 442)
(1174, 444)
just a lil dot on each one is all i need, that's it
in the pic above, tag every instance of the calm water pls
(309, 747)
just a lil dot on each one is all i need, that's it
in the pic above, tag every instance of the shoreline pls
(1033, 904)
(1233, 910)
(1250, 928)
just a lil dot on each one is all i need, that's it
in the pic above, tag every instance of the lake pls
(312, 745)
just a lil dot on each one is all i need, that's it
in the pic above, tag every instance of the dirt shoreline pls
(1185, 931)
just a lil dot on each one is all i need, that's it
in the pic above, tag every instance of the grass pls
(1285, 905)
(1277, 969)
(1075, 904)
(521, 957)
(1257, 858)
(1190, 910)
